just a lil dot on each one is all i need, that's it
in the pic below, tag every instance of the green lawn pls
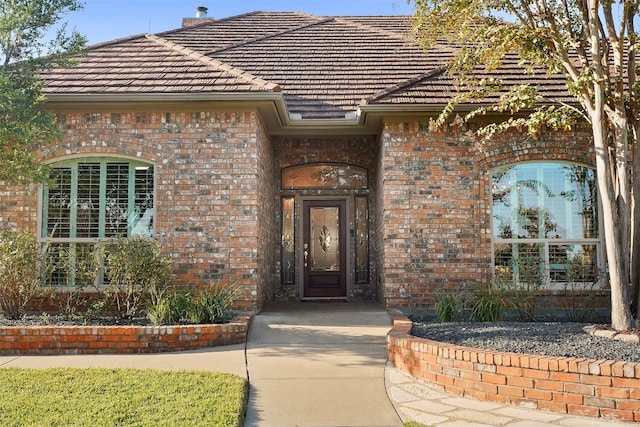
(112, 397)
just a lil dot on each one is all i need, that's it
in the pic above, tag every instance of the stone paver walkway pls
(418, 401)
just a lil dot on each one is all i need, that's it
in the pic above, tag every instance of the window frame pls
(546, 242)
(103, 160)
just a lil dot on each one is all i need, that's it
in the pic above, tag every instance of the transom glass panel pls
(324, 175)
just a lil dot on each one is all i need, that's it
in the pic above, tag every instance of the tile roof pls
(149, 64)
(324, 67)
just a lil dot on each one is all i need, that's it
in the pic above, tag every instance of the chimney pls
(201, 18)
(201, 12)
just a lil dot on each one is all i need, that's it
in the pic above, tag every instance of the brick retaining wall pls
(51, 340)
(597, 388)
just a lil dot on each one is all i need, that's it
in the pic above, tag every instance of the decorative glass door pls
(324, 249)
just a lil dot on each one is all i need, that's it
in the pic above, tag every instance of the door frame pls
(347, 245)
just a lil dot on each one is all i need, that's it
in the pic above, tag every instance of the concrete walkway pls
(323, 364)
(319, 364)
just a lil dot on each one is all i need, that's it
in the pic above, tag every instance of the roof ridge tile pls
(403, 85)
(393, 34)
(116, 41)
(319, 20)
(204, 24)
(248, 77)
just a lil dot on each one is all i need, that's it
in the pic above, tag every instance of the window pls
(324, 175)
(94, 199)
(545, 224)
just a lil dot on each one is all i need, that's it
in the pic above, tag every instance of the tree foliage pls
(33, 38)
(591, 43)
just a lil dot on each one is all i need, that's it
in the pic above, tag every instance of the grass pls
(118, 397)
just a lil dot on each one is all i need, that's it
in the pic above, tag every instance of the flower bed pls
(52, 340)
(598, 388)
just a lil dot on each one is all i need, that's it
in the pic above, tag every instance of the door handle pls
(306, 254)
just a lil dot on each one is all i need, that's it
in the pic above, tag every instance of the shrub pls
(521, 293)
(134, 269)
(21, 266)
(74, 264)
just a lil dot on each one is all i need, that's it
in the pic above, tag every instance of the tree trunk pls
(621, 318)
(635, 220)
(608, 167)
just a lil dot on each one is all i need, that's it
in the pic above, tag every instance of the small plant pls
(213, 304)
(169, 305)
(134, 268)
(20, 267)
(45, 318)
(448, 308)
(583, 277)
(522, 290)
(179, 305)
(487, 306)
(97, 309)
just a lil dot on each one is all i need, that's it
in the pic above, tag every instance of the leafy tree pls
(26, 49)
(591, 43)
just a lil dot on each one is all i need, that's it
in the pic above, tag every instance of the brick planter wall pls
(597, 388)
(52, 340)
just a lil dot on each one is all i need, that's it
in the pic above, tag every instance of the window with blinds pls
(91, 199)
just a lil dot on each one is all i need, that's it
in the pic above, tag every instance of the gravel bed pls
(556, 339)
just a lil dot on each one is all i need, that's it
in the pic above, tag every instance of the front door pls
(324, 249)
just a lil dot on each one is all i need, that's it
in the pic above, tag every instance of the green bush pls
(522, 294)
(134, 269)
(582, 281)
(21, 266)
(74, 264)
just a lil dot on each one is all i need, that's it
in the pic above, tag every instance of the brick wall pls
(218, 196)
(214, 189)
(435, 210)
(430, 214)
(268, 227)
(51, 340)
(597, 388)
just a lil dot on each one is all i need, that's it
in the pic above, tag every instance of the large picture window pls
(92, 199)
(545, 224)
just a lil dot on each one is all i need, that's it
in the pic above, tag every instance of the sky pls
(105, 20)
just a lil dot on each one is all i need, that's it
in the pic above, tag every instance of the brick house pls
(291, 155)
